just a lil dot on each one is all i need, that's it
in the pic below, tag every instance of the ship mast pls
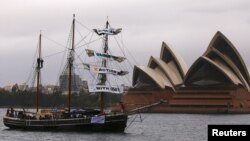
(70, 63)
(103, 77)
(101, 86)
(38, 68)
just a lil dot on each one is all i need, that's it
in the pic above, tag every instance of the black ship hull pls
(112, 123)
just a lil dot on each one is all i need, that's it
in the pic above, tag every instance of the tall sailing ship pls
(83, 119)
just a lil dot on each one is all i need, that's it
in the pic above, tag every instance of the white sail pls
(104, 88)
(104, 55)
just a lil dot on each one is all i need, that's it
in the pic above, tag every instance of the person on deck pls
(123, 109)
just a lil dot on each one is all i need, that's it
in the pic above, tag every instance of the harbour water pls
(155, 127)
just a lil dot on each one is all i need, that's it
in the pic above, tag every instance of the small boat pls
(68, 119)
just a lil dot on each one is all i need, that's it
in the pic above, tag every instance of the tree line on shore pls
(28, 100)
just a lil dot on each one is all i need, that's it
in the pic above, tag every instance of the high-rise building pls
(76, 83)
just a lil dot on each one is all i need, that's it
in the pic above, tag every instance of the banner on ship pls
(104, 88)
(104, 70)
(104, 55)
(98, 120)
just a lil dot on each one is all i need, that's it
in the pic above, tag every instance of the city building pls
(76, 83)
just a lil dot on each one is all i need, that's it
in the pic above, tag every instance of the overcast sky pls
(185, 25)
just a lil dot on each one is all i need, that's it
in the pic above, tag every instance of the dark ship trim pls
(115, 123)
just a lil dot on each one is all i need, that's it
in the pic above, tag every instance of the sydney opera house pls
(217, 82)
